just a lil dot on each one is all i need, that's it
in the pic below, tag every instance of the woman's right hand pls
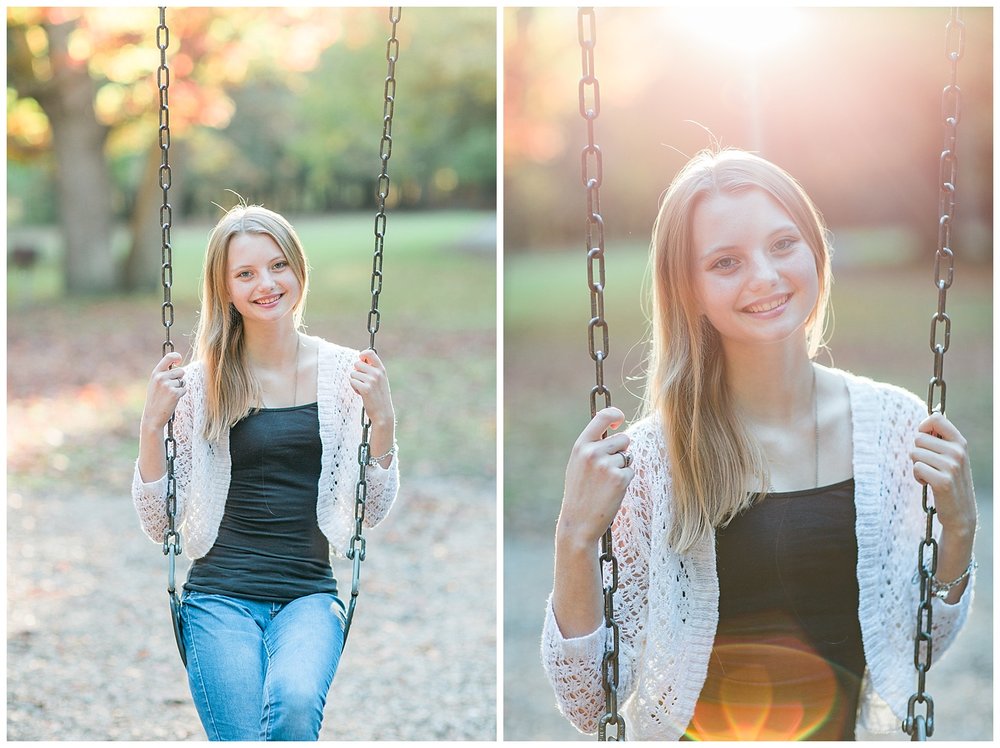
(597, 475)
(166, 387)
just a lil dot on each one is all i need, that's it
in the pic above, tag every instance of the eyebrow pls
(279, 258)
(783, 229)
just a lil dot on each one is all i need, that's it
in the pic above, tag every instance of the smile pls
(268, 300)
(767, 306)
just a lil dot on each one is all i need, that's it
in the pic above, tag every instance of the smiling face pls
(259, 281)
(754, 275)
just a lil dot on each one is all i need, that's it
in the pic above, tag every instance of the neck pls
(273, 346)
(770, 384)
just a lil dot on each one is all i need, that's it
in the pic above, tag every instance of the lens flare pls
(780, 690)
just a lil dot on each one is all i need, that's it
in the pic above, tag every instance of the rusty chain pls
(171, 536)
(921, 726)
(592, 170)
(356, 552)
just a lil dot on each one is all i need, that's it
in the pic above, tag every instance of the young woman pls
(267, 425)
(767, 510)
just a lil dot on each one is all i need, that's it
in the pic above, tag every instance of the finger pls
(939, 425)
(370, 357)
(939, 462)
(170, 360)
(365, 367)
(928, 476)
(605, 420)
(615, 443)
(357, 376)
(937, 445)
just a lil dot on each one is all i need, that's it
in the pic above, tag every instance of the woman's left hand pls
(941, 460)
(369, 380)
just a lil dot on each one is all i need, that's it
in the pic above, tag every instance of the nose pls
(763, 271)
(266, 281)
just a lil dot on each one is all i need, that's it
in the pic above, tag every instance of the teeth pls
(267, 300)
(767, 307)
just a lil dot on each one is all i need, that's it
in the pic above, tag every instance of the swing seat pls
(175, 616)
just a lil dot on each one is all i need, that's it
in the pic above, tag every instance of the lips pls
(768, 304)
(267, 300)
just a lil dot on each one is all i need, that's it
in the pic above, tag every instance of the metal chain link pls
(171, 536)
(592, 171)
(357, 550)
(921, 726)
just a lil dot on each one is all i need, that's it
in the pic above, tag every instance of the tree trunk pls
(83, 181)
(141, 271)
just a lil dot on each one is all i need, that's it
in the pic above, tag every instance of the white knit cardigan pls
(667, 603)
(203, 468)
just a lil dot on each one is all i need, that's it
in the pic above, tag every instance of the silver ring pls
(627, 459)
(180, 383)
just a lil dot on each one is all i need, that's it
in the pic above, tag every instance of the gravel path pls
(961, 683)
(90, 651)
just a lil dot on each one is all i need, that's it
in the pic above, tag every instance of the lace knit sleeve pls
(383, 483)
(946, 620)
(340, 431)
(149, 499)
(573, 665)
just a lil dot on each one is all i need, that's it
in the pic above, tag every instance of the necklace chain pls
(815, 399)
(295, 392)
(816, 427)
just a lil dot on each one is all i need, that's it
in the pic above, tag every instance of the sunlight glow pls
(742, 31)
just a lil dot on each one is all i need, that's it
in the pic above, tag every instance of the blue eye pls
(784, 243)
(725, 263)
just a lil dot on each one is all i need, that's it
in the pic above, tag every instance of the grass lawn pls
(882, 323)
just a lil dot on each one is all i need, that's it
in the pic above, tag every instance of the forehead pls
(733, 218)
(252, 248)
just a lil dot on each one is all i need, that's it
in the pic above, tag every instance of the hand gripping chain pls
(592, 170)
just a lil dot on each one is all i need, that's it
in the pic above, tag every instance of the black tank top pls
(269, 545)
(788, 659)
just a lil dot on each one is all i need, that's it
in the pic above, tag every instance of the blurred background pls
(284, 107)
(848, 100)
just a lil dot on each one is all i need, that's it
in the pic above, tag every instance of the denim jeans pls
(260, 670)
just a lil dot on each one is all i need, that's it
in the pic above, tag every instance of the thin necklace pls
(815, 400)
(295, 394)
(816, 425)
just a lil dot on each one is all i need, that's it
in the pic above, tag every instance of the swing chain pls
(592, 172)
(920, 727)
(356, 552)
(171, 535)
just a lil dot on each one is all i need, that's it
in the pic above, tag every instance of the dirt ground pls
(960, 682)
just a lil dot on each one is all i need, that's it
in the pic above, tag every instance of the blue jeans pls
(260, 670)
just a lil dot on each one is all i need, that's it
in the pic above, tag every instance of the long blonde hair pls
(714, 459)
(231, 390)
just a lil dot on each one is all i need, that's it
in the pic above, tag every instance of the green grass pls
(882, 323)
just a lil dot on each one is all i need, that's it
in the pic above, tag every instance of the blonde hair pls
(713, 457)
(231, 390)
